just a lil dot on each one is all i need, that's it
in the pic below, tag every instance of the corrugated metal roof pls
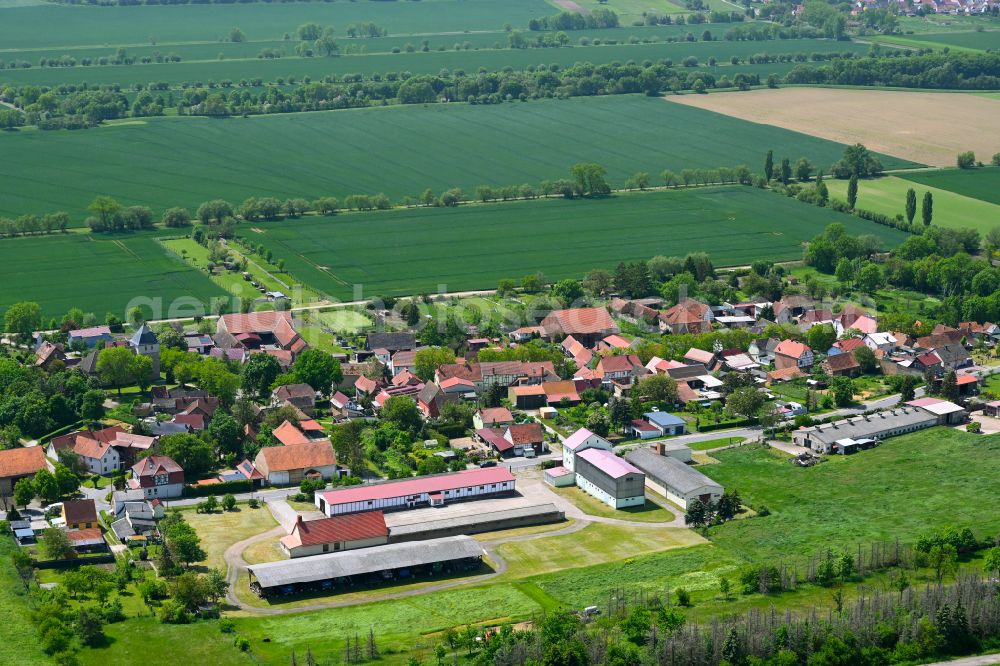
(670, 471)
(471, 520)
(364, 560)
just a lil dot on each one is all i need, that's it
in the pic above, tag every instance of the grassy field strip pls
(396, 150)
(913, 43)
(982, 184)
(888, 195)
(968, 41)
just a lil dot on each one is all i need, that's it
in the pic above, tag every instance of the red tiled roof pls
(839, 362)
(350, 527)
(491, 436)
(791, 348)
(578, 321)
(22, 462)
(625, 362)
(255, 322)
(299, 456)
(86, 534)
(153, 465)
(849, 344)
(289, 435)
(492, 415)
(524, 433)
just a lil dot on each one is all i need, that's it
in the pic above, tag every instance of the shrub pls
(974, 426)
(242, 644)
(227, 626)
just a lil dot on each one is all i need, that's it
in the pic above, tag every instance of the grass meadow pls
(951, 209)
(97, 273)
(20, 645)
(164, 162)
(922, 482)
(419, 250)
(982, 184)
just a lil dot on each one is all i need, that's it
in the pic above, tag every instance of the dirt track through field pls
(570, 6)
(926, 127)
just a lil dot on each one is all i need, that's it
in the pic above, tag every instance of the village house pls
(334, 534)
(492, 417)
(762, 350)
(527, 439)
(788, 309)
(843, 365)
(621, 370)
(271, 331)
(89, 336)
(101, 451)
(688, 316)
(880, 341)
(300, 396)
(48, 353)
(576, 350)
(390, 341)
(641, 312)
(790, 353)
(588, 325)
(502, 373)
(20, 463)
(694, 355)
(845, 346)
(78, 514)
(666, 423)
(403, 360)
(157, 476)
(288, 465)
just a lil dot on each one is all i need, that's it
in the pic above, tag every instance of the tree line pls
(966, 71)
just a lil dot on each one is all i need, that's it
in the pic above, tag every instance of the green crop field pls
(99, 274)
(982, 184)
(485, 39)
(888, 196)
(62, 25)
(905, 473)
(469, 247)
(419, 62)
(976, 40)
(163, 162)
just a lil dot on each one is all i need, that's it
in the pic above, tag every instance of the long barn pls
(433, 490)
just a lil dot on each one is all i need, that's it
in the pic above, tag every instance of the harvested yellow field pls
(930, 128)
